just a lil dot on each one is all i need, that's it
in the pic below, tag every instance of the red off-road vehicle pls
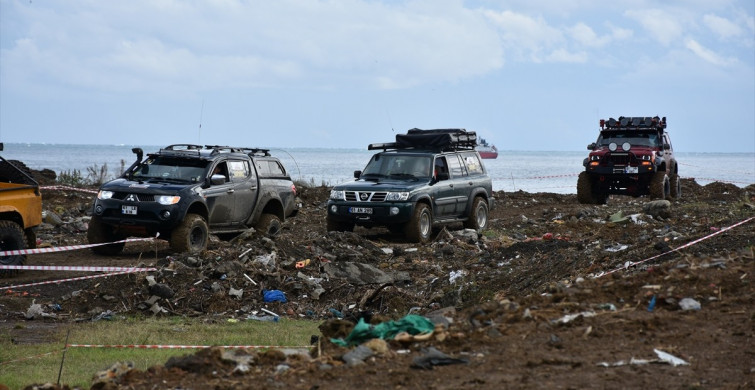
(632, 156)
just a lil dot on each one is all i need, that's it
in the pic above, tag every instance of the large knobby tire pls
(269, 225)
(478, 218)
(660, 186)
(420, 228)
(334, 226)
(11, 239)
(586, 194)
(676, 186)
(191, 235)
(98, 233)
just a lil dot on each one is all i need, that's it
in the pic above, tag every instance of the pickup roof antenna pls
(295, 163)
(199, 131)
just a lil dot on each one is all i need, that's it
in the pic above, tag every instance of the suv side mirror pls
(667, 146)
(591, 146)
(357, 174)
(441, 176)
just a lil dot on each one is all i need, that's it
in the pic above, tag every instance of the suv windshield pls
(635, 138)
(171, 169)
(397, 166)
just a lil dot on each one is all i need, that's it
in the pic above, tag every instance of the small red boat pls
(486, 150)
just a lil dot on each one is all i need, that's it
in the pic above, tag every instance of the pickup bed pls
(183, 193)
(20, 210)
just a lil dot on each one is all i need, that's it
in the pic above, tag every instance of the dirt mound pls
(554, 294)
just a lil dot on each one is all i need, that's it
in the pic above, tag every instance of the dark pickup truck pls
(184, 192)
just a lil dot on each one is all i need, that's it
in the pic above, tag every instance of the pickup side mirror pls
(591, 146)
(357, 174)
(217, 179)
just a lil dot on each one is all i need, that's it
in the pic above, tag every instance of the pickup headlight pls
(393, 196)
(337, 194)
(167, 199)
(104, 195)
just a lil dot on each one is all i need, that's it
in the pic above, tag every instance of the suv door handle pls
(230, 190)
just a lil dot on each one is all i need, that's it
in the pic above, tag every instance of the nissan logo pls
(364, 196)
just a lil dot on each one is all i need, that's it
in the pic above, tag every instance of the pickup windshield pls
(397, 166)
(171, 169)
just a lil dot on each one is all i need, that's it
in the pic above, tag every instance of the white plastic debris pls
(689, 304)
(669, 358)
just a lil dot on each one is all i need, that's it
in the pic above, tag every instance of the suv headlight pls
(167, 199)
(104, 195)
(594, 158)
(338, 194)
(392, 196)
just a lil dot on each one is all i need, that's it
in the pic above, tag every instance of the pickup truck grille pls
(132, 197)
(365, 196)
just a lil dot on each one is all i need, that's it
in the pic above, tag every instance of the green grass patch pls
(25, 364)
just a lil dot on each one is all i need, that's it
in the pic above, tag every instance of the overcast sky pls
(524, 74)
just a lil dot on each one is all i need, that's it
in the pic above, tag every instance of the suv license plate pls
(360, 210)
(631, 170)
(128, 210)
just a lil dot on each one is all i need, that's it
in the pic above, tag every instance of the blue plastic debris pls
(651, 305)
(274, 296)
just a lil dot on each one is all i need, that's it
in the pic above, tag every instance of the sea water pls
(529, 171)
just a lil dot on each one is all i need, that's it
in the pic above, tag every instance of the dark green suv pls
(425, 179)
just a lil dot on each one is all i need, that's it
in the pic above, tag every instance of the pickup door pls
(232, 202)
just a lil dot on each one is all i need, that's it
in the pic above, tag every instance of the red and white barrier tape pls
(687, 245)
(149, 346)
(67, 188)
(66, 248)
(546, 177)
(67, 280)
(75, 268)
(719, 180)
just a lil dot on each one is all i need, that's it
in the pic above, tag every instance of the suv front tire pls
(420, 228)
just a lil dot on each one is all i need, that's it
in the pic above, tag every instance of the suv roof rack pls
(633, 123)
(435, 139)
(197, 150)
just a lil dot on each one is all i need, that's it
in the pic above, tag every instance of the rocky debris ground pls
(554, 295)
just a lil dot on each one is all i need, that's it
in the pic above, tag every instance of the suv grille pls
(365, 196)
(619, 158)
(131, 197)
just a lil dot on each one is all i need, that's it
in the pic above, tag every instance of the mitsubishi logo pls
(363, 196)
(131, 198)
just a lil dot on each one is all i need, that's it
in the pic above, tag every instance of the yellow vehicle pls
(20, 210)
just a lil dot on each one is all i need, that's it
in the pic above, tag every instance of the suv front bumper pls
(370, 214)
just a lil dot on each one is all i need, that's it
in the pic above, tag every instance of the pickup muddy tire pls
(660, 186)
(191, 235)
(98, 233)
(676, 187)
(11, 239)
(269, 225)
(333, 226)
(586, 193)
(478, 219)
(420, 228)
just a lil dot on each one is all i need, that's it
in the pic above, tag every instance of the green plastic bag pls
(412, 324)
